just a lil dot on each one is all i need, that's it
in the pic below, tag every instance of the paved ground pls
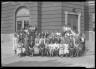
(8, 59)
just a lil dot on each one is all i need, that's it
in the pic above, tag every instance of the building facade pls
(47, 16)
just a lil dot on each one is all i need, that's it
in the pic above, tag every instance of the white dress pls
(61, 49)
(15, 43)
(23, 49)
(66, 49)
(18, 51)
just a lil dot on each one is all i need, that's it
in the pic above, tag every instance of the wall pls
(91, 11)
(8, 17)
(79, 6)
(51, 16)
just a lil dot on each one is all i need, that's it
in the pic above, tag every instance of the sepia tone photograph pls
(48, 34)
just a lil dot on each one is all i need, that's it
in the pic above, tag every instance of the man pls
(56, 48)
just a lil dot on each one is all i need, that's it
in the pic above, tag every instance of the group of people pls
(68, 43)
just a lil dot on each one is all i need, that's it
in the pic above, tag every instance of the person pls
(61, 49)
(71, 48)
(26, 45)
(15, 43)
(56, 48)
(66, 45)
(51, 48)
(58, 33)
(66, 50)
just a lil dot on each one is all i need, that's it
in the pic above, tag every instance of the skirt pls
(61, 51)
(66, 51)
(23, 50)
(18, 51)
(36, 50)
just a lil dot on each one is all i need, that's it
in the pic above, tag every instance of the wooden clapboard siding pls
(33, 10)
(8, 15)
(70, 5)
(51, 23)
(76, 3)
(51, 15)
(79, 6)
(52, 27)
(91, 11)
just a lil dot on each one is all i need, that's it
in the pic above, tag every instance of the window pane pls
(26, 23)
(19, 25)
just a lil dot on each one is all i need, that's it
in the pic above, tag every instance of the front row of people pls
(59, 46)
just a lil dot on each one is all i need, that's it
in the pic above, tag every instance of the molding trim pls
(79, 18)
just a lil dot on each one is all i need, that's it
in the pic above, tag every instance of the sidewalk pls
(8, 57)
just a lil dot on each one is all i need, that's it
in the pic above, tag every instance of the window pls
(73, 20)
(22, 18)
(26, 23)
(19, 25)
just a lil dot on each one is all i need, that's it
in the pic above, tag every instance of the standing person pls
(66, 46)
(61, 48)
(15, 43)
(26, 46)
(58, 33)
(83, 41)
(71, 48)
(42, 46)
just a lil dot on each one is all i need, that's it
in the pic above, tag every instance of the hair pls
(15, 35)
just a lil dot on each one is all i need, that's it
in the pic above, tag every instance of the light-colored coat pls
(15, 43)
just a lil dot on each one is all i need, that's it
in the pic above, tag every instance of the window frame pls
(74, 13)
(21, 18)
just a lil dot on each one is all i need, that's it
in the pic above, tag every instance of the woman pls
(56, 48)
(66, 45)
(42, 46)
(51, 49)
(61, 48)
(15, 43)
(26, 45)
